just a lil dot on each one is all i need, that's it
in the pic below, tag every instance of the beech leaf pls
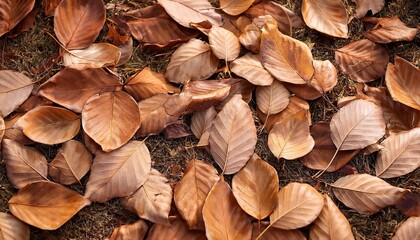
(408, 230)
(15, 88)
(388, 30)
(205, 94)
(97, 55)
(136, 230)
(13, 11)
(177, 231)
(224, 44)
(274, 233)
(363, 6)
(272, 99)
(12, 228)
(249, 67)
(233, 7)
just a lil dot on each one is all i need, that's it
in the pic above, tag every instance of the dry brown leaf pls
(331, 223)
(152, 201)
(111, 119)
(275, 233)
(50, 6)
(46, 205)
(15, 88)
(97, 55)
(295, 19)
(193, 60)
(255, 187)
(2, 129)
(205, 94)
(409, 204)
(24, 165)
(233, 7)
(49, 125)
(365, 193)
(328, 17)
(224, 44)
(272, 99)
(71, 88)
(119, 35)
(399, 155)
(235, 24)
(118, 173)
(191, 191)
(186, 12)
(402, 82)
(201, 121)
(148, 83)
(231, 146)
(251, 38)
(25, 25)
(13, 11)
(363, 60)
(14, 133)
(237, 86)
(388, 29)
(12, 228)
(408, 230)
(223, 217)
(32, 102)
(177, 231)
(324, 150)
(290, 138)
(249, 67)
(135, 230)
(91, 144)
(287, 59)
(71, 163)
(363, 6)
(357, 125)
(176, 130)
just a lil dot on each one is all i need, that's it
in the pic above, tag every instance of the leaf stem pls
(319, 173)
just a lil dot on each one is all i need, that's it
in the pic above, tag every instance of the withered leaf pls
(251, 38)
(135, 230)
(13, 11)
(272, 99)
(205, 94)
(388, 30)
(237, 86)
(14, 133)
(409, 204)
(176, 130)
(177, 231)
(50, 6)
(408, 230)
(233, 7)
(12, 228)
(363, 6)
(24, 25)
(200, 125)
(249, 67)
(15, 88)
(97, 55)
(224, 44)
(274, 233)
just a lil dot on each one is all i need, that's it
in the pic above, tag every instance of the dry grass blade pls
(365, 193)
(71, 163)
(77, 23)
(191, 191)
(224, 44)
(111, 119)
(275, 233)
(272, 99)
(223, 217)
(46, 205)
(15, 88)
(233, 7)
(249, 67)
(135, 230)
(49, 125)
(97, 55)
(255, 187)
(12, 228)
(408, 230)
(152, 201)
(13, 11)
(363, 6)
(331, 223)
(205, 94)
(231, 146)
(399, 155)
(118, 173)
(177, 231)
(389, 30)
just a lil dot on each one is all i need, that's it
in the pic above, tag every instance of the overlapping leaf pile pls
(116, 115)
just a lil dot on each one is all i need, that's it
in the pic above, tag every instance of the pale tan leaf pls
(152, 201)
(71, 163)
(275, 233)
(400, 154)
(223, 217)
(118, 173)
(111, 119)
(357, 125)
(15, 88)
(251, 38)
(402, 82)
(193, 60)
(234, 7)
(49, 125)
(249, 67)
(272, 99)
(363, 60)
(331, 223)
(328, 17)
(46, 205)
(97, 55)
(290, 138)
(177, 231)
(274, 10)
(135, 230)
(365, 193)
(191, 191)
(201, 121)
(363, 6)
(147, 83)
(410, 229)
(205, 94)
(255, 187)
(224, 44)
(388, 30)
(287, 59)
(12, 228)
(231, 146)
(325, 76)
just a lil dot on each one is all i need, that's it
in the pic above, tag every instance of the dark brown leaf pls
(12, 12)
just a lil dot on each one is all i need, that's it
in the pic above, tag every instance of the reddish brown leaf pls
(15, 88)
(251, 38)
(274, 233)
(25, 25)
(205, 94)
(14, 133)
(135, 230)
(176, 130)
(408, 230)
(233, 7)
(388, 30)
(50, 6)
(32, 102)
(12, 228)
(409, 204)
(13, 11)
(363, 6)
(177, 231)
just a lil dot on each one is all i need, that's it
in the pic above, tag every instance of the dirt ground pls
(29, 51)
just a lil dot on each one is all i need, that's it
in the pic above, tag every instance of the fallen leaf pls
(15, 134)
(275, 233)
(177, 231)
(233, 7)
(224, 44)
(46, 205)
(331, 223)
(409, 204)
(49, 125)
(205, 94)
(365, 193)
(97, 55)
(363, 6)
(13, 12)
(24, 25)
(15, 89)
(408, 229)
(231, 146)
(136, 230)
(295, 19)
(111, 119)
(223, 217)
(152, 201)
(251, 38)
(71, 163)
(249, 67)
(33, 101)
(50, 6)
(201, 121)
(388, 29)
(328, 17)
(91, 144)
(272, 99)
(193, 60)
(235, 24)
(2, 129)
(176, 130)
(401, 80)
(12, 228)
(363, 60)
(237, 86)
(119, 35)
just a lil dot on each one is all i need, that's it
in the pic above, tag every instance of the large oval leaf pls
(12, 12)
(111, 119)
(77, 23)
(12, 228)
(135, 230)
(49, 125)
(224, 44)
(205, 94)
(388, 29)
(177, 231)
(272, 99)
(97, 55)
(191, 191)
(15, 88)
(249, 67)
(408, 230)
(223, 217)
(46, 205)
(233, 136)
(365, 193)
